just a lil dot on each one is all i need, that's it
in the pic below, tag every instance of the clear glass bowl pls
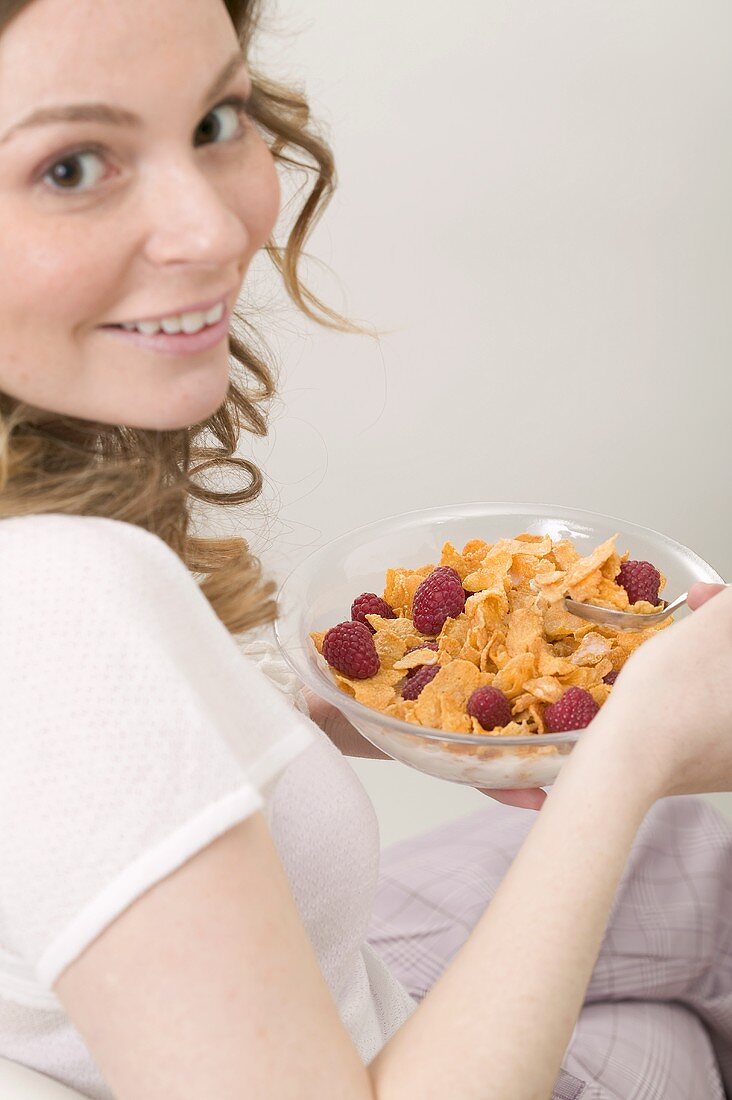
(319, 592)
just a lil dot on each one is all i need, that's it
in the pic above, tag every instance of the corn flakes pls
(513, 635)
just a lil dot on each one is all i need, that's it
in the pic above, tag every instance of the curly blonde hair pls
(55, 463)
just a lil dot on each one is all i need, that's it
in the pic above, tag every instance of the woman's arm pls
(208, 985)
(497, 1023)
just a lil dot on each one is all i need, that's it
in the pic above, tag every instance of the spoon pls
(621, 620)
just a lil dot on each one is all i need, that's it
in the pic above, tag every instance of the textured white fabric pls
(327, 834)
(134, 730)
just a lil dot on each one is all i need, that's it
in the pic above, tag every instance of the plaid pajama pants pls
(656, 1023)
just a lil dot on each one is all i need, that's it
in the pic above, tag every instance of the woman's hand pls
(341, 732)
(671, 707)
(527, 798)
(533, 798)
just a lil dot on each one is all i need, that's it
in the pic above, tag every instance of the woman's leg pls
(642, 1050)
(669, 939)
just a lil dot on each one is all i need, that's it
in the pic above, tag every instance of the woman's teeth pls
(183, 322)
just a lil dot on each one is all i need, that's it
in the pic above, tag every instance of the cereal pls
(514, 674)
(416, 658)
(443, 703)
(513, 634)
(524, 631)
(592, 649)
(401, 584)
(456, 561)
(389, 646)
(378, 692)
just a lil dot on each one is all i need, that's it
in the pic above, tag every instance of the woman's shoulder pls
(88, 577)
(38, 534)
(65, 553)
(91, 603)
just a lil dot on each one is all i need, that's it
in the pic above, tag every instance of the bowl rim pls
(322, 683)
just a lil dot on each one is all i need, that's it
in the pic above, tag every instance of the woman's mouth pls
(184, 334)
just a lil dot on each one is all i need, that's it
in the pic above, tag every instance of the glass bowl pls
(319, 592)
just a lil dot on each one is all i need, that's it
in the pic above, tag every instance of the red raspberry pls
(490, 706)
(349, 647)
(425, 645)
(447, 570)
(421, 678)
(368, 603)
(641, 581)
(573, 711)
(611, 676)
(439, 597)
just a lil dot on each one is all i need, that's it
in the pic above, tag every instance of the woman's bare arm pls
(497, 1023)
(208, 986)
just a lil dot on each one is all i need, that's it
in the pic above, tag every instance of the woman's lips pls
(178, 343)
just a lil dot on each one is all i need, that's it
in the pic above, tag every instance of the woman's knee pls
(645, 1050)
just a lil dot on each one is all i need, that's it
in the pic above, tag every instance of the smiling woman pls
(188, 866)
(128, 220)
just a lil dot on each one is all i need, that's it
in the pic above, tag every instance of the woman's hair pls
(55, 463)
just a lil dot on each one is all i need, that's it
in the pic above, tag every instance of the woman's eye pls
(66, 175)
(236, 108)
(76, 171)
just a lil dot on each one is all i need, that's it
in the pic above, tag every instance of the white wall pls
(535, 197)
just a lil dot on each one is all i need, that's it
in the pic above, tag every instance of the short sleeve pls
(133, 731)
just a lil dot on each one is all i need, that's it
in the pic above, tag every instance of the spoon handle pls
(677, 603)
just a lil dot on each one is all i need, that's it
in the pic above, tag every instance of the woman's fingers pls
(700, 592)
(531, 798)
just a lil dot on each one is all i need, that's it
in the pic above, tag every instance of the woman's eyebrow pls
(116, 116)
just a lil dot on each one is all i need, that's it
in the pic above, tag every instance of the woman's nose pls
(192, 221)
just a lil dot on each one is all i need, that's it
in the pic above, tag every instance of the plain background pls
(534, 199)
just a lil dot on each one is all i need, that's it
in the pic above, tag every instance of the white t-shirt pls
(134, 730)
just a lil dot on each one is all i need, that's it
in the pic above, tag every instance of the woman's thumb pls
(700, 592)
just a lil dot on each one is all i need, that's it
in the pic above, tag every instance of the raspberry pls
(368, 603)
(349, 648)
(448, 571)
(641, 581)
(490, 706)
(611, 676)
(425, 645)
(421, 678)
(573, 711)
(439, 597)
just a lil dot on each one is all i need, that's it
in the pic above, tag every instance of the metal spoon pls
(621, 620)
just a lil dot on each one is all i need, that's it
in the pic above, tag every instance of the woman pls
(188, 865)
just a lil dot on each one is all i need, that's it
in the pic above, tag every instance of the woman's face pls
(104, 223)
